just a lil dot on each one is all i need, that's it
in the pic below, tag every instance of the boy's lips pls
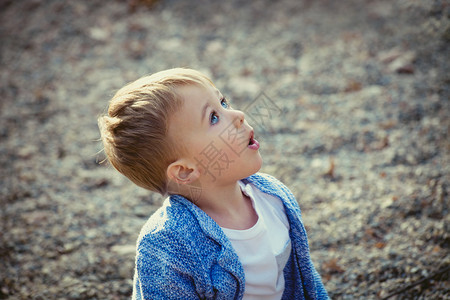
(253, 143)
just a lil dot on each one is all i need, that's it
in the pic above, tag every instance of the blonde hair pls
(134, 130)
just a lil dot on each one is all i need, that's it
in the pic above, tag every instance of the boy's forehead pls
(195, 99)
(188, 117)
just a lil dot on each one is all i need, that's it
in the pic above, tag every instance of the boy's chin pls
(256, 169)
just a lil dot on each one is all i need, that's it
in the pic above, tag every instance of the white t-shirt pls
(263, 249)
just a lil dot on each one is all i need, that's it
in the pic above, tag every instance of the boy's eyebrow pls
(205, 107)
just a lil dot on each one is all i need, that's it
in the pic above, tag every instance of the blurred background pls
(360, 133)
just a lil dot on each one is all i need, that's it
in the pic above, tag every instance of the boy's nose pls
(238, 118)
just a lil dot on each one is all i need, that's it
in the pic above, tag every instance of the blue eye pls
(214, 118)
(224, 103)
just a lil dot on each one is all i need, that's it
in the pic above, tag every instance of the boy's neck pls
(228, 206)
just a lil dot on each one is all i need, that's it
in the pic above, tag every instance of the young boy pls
(226, 231)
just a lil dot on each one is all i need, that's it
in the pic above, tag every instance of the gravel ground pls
(357, 125)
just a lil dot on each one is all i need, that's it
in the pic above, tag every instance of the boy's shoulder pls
(178, 221)
(170, 216)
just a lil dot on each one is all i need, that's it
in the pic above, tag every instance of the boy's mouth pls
(253, 143)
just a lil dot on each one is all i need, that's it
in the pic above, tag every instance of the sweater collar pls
(227, 255)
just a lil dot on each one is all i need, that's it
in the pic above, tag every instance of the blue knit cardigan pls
(183, 254)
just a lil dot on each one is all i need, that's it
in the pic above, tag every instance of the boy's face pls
(216, 138)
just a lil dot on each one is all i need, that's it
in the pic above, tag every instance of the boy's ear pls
(182, 172)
